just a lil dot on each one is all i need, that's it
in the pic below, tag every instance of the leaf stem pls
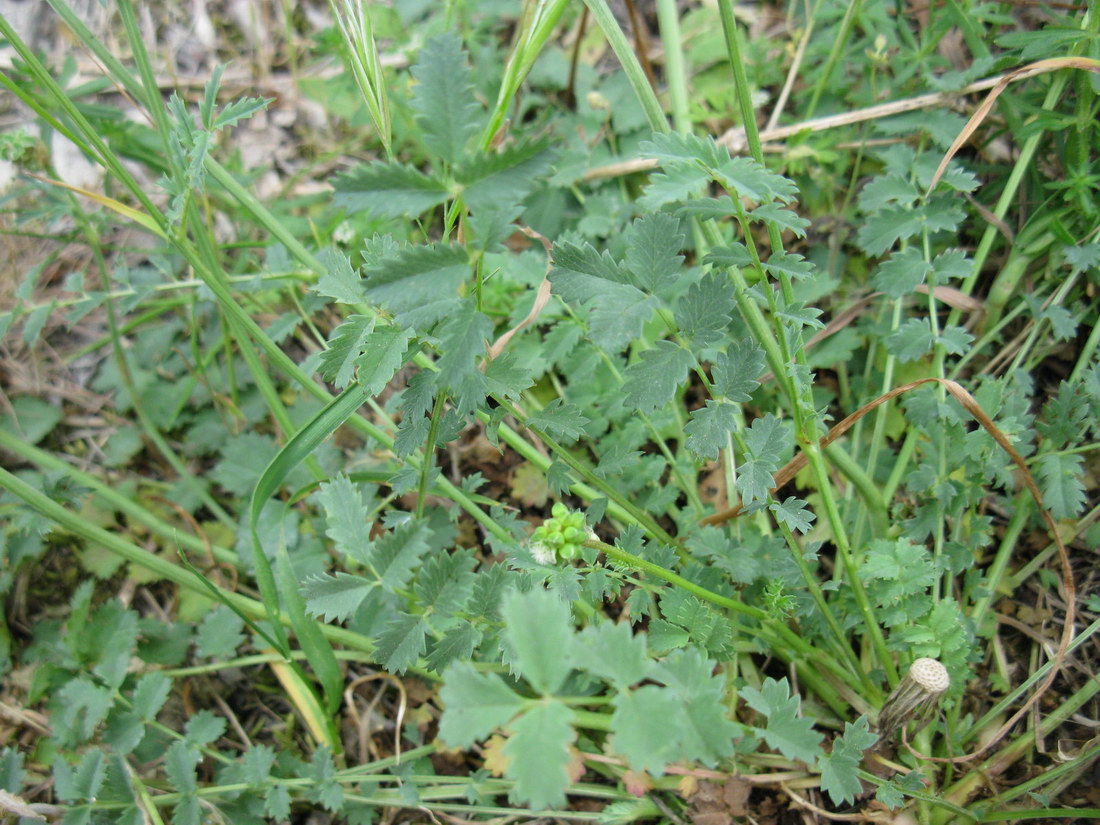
(429, 453)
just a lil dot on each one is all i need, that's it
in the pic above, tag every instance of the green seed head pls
(561, 536)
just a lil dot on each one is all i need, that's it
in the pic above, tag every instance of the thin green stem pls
(633, 70)
(676, 71)
(429, 453)
(840, 41)
(785, 641)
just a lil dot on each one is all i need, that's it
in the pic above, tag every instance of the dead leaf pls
(529, 485)
(637, 783)
(541, 298)
(687, 786)
(16, 805)
(496, 762)
(714, 804)
(735, 793)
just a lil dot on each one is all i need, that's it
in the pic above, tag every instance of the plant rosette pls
(561, 536)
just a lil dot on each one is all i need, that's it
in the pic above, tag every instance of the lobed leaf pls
(335, 598)
(388, 190)
(443, 98)
(539, 631)
(474, 705)
(792, 736)
(709, 427)
(538, 754)
(652, 380)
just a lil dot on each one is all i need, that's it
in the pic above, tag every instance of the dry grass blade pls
(16, 806)
(1038, 67)
(362, 722)
(960, 394)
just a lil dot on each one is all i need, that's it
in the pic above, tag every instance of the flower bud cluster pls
(560, 536)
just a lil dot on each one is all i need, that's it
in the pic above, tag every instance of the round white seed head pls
(930, 675)
(542, 553)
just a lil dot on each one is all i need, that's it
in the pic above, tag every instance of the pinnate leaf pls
(395, 555)
(237, 110)
(612, 652)
(703, 313)
(911, 340)
(347, 341)
(220, 633)
(256, 764)
(505, 177)
(793, 513)
(346, 509)
(203, 728)
(653, 245)
(180, 762)
(462, 338)
(766, 437)
(618, 310)
(457, 645)
(646, 727)
(751, 180)
(706, 208)
(731, 255)
(401, 642)
(675, 184)
(885, 190)
(1061, 485)
(675, 147)
(382, 354)
(902, 273)
(707, 734)
(784, 219)
(883, 228)
(419, 284)
(793, 266)
(952, 265)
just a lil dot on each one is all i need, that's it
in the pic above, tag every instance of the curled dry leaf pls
(717, 804)
(541, 299)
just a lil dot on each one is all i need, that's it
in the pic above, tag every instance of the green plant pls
(304, 407)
